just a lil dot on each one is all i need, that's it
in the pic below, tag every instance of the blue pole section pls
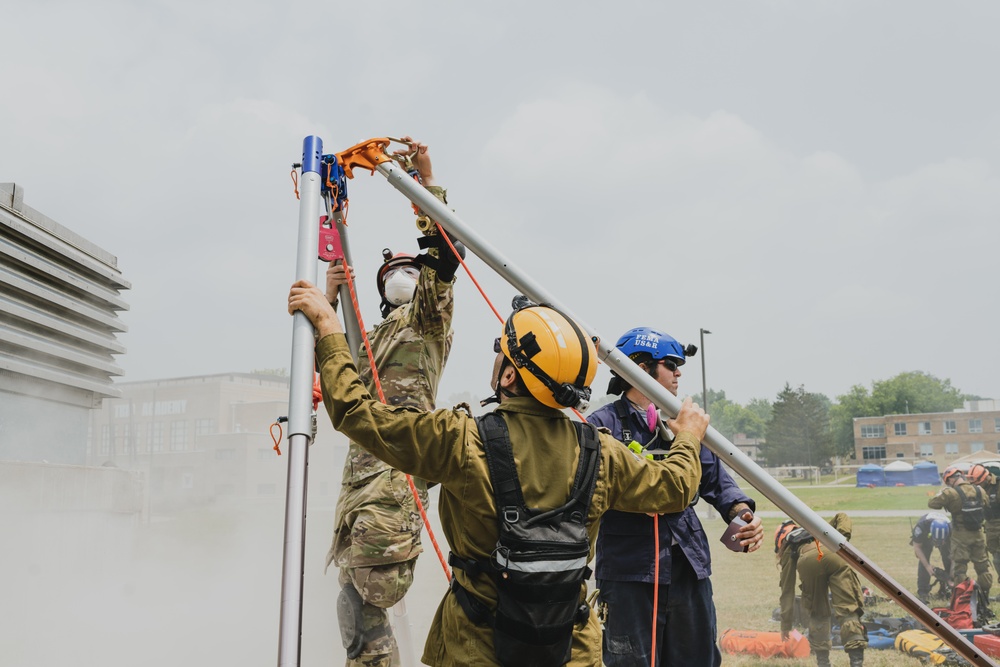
(300, 413)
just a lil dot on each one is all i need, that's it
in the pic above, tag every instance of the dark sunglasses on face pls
(496, 346)
(670, 365)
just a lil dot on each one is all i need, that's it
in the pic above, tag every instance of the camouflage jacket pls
(410, 347)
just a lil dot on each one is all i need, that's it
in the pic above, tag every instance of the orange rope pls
(656, 583)
(277, 447)
(467, 270)
(381, 397)
(295, 182)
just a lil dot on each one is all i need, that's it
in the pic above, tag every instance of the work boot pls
(857, 656)
(822, 659)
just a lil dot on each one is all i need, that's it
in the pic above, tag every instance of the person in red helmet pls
(376, 539)
(967, 504)
(982, 477)
(830, 590)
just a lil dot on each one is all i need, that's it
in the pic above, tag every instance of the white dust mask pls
(399, 287)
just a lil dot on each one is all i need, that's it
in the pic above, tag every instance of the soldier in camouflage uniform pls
(376, 539)
(821, 574)
(967, 505)
(980, 476)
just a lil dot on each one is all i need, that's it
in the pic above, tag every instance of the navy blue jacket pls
(625, 541)
(921, 533)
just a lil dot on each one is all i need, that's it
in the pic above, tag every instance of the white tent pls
(899, 473)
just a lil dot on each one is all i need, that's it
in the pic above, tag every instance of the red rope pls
(467, 270)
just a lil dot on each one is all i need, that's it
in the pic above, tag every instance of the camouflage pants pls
(969, 545)
(380, 588)
(375, 544)
(831, 574)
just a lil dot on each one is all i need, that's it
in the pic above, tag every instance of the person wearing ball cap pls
(624, 577)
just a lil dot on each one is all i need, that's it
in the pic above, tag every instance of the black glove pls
(446, 263)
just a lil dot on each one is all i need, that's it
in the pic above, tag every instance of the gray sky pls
(814, 182)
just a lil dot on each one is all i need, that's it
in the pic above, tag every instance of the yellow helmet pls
(555, 359)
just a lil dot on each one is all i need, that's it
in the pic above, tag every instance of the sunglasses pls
(671, 366)
(496, 346)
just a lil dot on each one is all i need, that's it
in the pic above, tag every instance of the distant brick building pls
(940, 437)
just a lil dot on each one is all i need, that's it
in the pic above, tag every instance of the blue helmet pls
(940, 530)
(656, 343)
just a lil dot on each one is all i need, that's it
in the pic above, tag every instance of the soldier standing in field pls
(980, 476)
(830, 588)
(967, 505)
(376, 538)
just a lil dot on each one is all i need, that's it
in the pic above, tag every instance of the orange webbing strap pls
(295, 182)
(381, 397)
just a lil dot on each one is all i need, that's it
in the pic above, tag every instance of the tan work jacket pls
(444, 446)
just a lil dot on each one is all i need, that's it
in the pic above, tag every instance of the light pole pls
(704, 384)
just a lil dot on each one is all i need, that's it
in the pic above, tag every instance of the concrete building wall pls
(60, 296)
(209, 439)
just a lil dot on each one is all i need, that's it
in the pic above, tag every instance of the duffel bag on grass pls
(765, 644)
(928, 647)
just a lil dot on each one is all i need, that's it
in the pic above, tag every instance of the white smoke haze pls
(198, 587)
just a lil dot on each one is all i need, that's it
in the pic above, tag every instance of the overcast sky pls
(814, 182)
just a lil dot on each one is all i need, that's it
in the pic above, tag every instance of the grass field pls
(847, 498)
(746, 585)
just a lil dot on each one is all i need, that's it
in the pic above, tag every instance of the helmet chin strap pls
(499, 365)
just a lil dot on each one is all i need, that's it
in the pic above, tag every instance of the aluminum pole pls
(300, 413)
(704, 382)
(732, 456)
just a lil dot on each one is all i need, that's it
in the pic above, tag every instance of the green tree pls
(914, 392)
(855, 403)
(799, 430)
(763, 409)
(732, 418)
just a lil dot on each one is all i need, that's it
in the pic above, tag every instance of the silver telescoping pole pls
(731, 455)
(300, 413)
